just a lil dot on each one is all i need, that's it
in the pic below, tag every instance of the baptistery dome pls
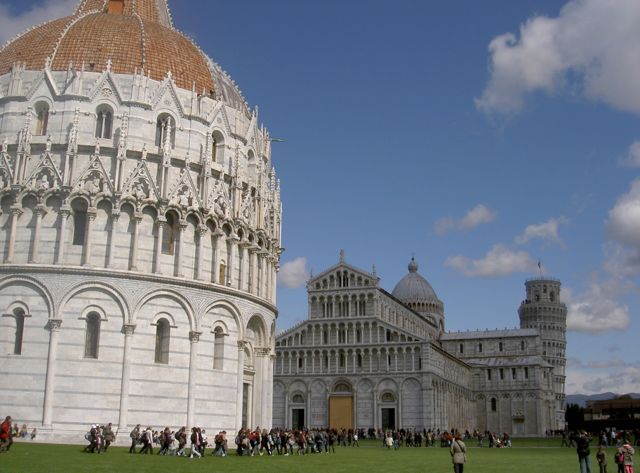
(126, 36)
(140, 229)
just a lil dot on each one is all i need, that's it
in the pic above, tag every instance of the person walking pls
(6, 438)
(628, 452)
(135, 437)
(458, 454)
(601, 456)
(582, 448)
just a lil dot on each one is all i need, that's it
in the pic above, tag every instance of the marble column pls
(91, 216)
(232, 280)
(115, 215)
(264, 388)
(375, 409)
(137, 218)
(219, 255)
(127, 330)
(161, 222)
(65, 211)
(182, 225)
(202, 233)
(194, 337)
(239, 386)
(39, 210)
(53, 326)
(16, 210)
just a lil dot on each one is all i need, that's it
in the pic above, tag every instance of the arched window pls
(494, 404)
(500, 346)
(165, 129)
(104, 122)
(388, 397)
(359, 360)
(17, 341)
(522, 345)
(42, 118)
(461, 348)
(79, 207)
(218, 349)
(92, 336)
(168, 235)
(552, 296)
(217, 147)
(163, 337)
(479, 347)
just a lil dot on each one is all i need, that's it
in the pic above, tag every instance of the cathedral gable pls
(184, 192)
(140, 185)
(167, 97)
(95, 178)
(46, 174)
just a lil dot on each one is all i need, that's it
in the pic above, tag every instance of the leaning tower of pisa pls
(543, 310)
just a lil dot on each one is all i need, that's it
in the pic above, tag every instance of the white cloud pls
(623, 228)
(294, 274)
(475, 217)
(623, 223)
(605, 376)
(499, 261)
(589, 47)
(632, 159)
(544, 231)
(12, 24)
(596, 311)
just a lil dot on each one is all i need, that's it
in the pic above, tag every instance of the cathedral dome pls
(413, 287)
(126, 36)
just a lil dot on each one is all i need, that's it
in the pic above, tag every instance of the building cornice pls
(17, 269)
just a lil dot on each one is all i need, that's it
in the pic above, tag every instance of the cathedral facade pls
(140, 229)
(367, 358)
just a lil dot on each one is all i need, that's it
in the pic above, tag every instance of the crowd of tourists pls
(622, 455)
(10, 431)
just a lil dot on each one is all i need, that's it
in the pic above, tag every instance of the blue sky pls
(481, 136)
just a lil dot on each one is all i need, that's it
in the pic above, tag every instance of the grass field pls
(530, 456)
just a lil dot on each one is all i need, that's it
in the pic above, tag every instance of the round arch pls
(171, 294)
(36, 285)
(113, 292)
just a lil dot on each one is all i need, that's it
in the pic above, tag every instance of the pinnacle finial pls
(413, 266)
(342, 256)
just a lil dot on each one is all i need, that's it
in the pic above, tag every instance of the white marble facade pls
(389, 355)
(140, 231)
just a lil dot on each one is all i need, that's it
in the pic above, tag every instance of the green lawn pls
(532, 457)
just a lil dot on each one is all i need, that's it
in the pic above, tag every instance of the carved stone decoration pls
(6, 166)
(46, 174)
(122, 141)
(95, 179)
(72, 148)
(247, 211)
(140, 185)
(24, 140)
(220, 198)
(185, 193)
